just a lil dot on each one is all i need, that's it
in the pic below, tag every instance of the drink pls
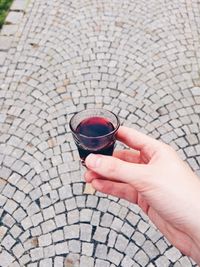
(94, 132)
(95, 127)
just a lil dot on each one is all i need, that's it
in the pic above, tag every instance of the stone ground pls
(141, 60)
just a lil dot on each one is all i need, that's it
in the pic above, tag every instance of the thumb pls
(115, 169)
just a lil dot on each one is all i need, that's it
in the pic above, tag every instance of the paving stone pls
(36, 219)
(74, 246)
(6, 259)
(15, 231)
(131, 250)
(46, 263)
(18, 250)
(71, 231)
(87, 248)
(141, 258)
(60, 220)
(184, 261)
(91, 201)
(5, 43)
(106, 220)
(85, 232)
(86, 215)
(58, 261)
(123, 212)
(153, 234)
(133, 219)
(101, 251)
(127, 230)
(162, 246)
(2, 57)
(114, 256)
(14, 264)
(101, 234)
(80, 201)
(162, 261)
(121, 243)
(8, 191)
(44, 240)
(73, 217)
(77, 189)
(177, 264)
(36, 254)
(103, 204)
(8, 242)
(49, 251)
(116, 224)
(112, 238)
(86, 261)
(57, 236)
(10, 206)
(70, 204)
(65, 192)
(48, 226)
(127, 262)
(62, 248)
(102, 263)
(173, 254)
(150, 249)
(19, 5)
(142, 226)
(89, 189)
(196, 91)
(14, 17)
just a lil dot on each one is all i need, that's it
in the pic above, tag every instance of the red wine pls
(95, 138)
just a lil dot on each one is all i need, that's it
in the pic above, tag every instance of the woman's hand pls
(155, 178)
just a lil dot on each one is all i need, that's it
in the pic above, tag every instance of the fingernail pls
(93, 161)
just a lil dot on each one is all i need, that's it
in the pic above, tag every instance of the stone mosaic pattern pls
(140, 59)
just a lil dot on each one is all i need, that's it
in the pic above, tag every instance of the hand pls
(155, 178)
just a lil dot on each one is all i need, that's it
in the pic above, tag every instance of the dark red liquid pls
(90, 129)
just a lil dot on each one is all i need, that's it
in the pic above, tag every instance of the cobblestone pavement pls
(139, 59)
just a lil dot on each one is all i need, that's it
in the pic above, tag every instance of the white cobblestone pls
(101, 234)
(87, 248)
(71, 231)
(61, 248)
(85, 232)
(6, 259)
(115, 256)
(2, 59)
(74, 246)
(121, 243)
(44, 240)
(173, 254)
(36, 254)
(5, 42)
(8, 242)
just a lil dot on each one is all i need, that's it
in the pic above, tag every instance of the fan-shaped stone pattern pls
(139, 59)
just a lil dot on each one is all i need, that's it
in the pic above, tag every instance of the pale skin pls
(153, 176)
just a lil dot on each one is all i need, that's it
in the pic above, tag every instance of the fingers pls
(128, 155)
(116, 169)
(90, 175)
(137, 140)
(120, 190)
